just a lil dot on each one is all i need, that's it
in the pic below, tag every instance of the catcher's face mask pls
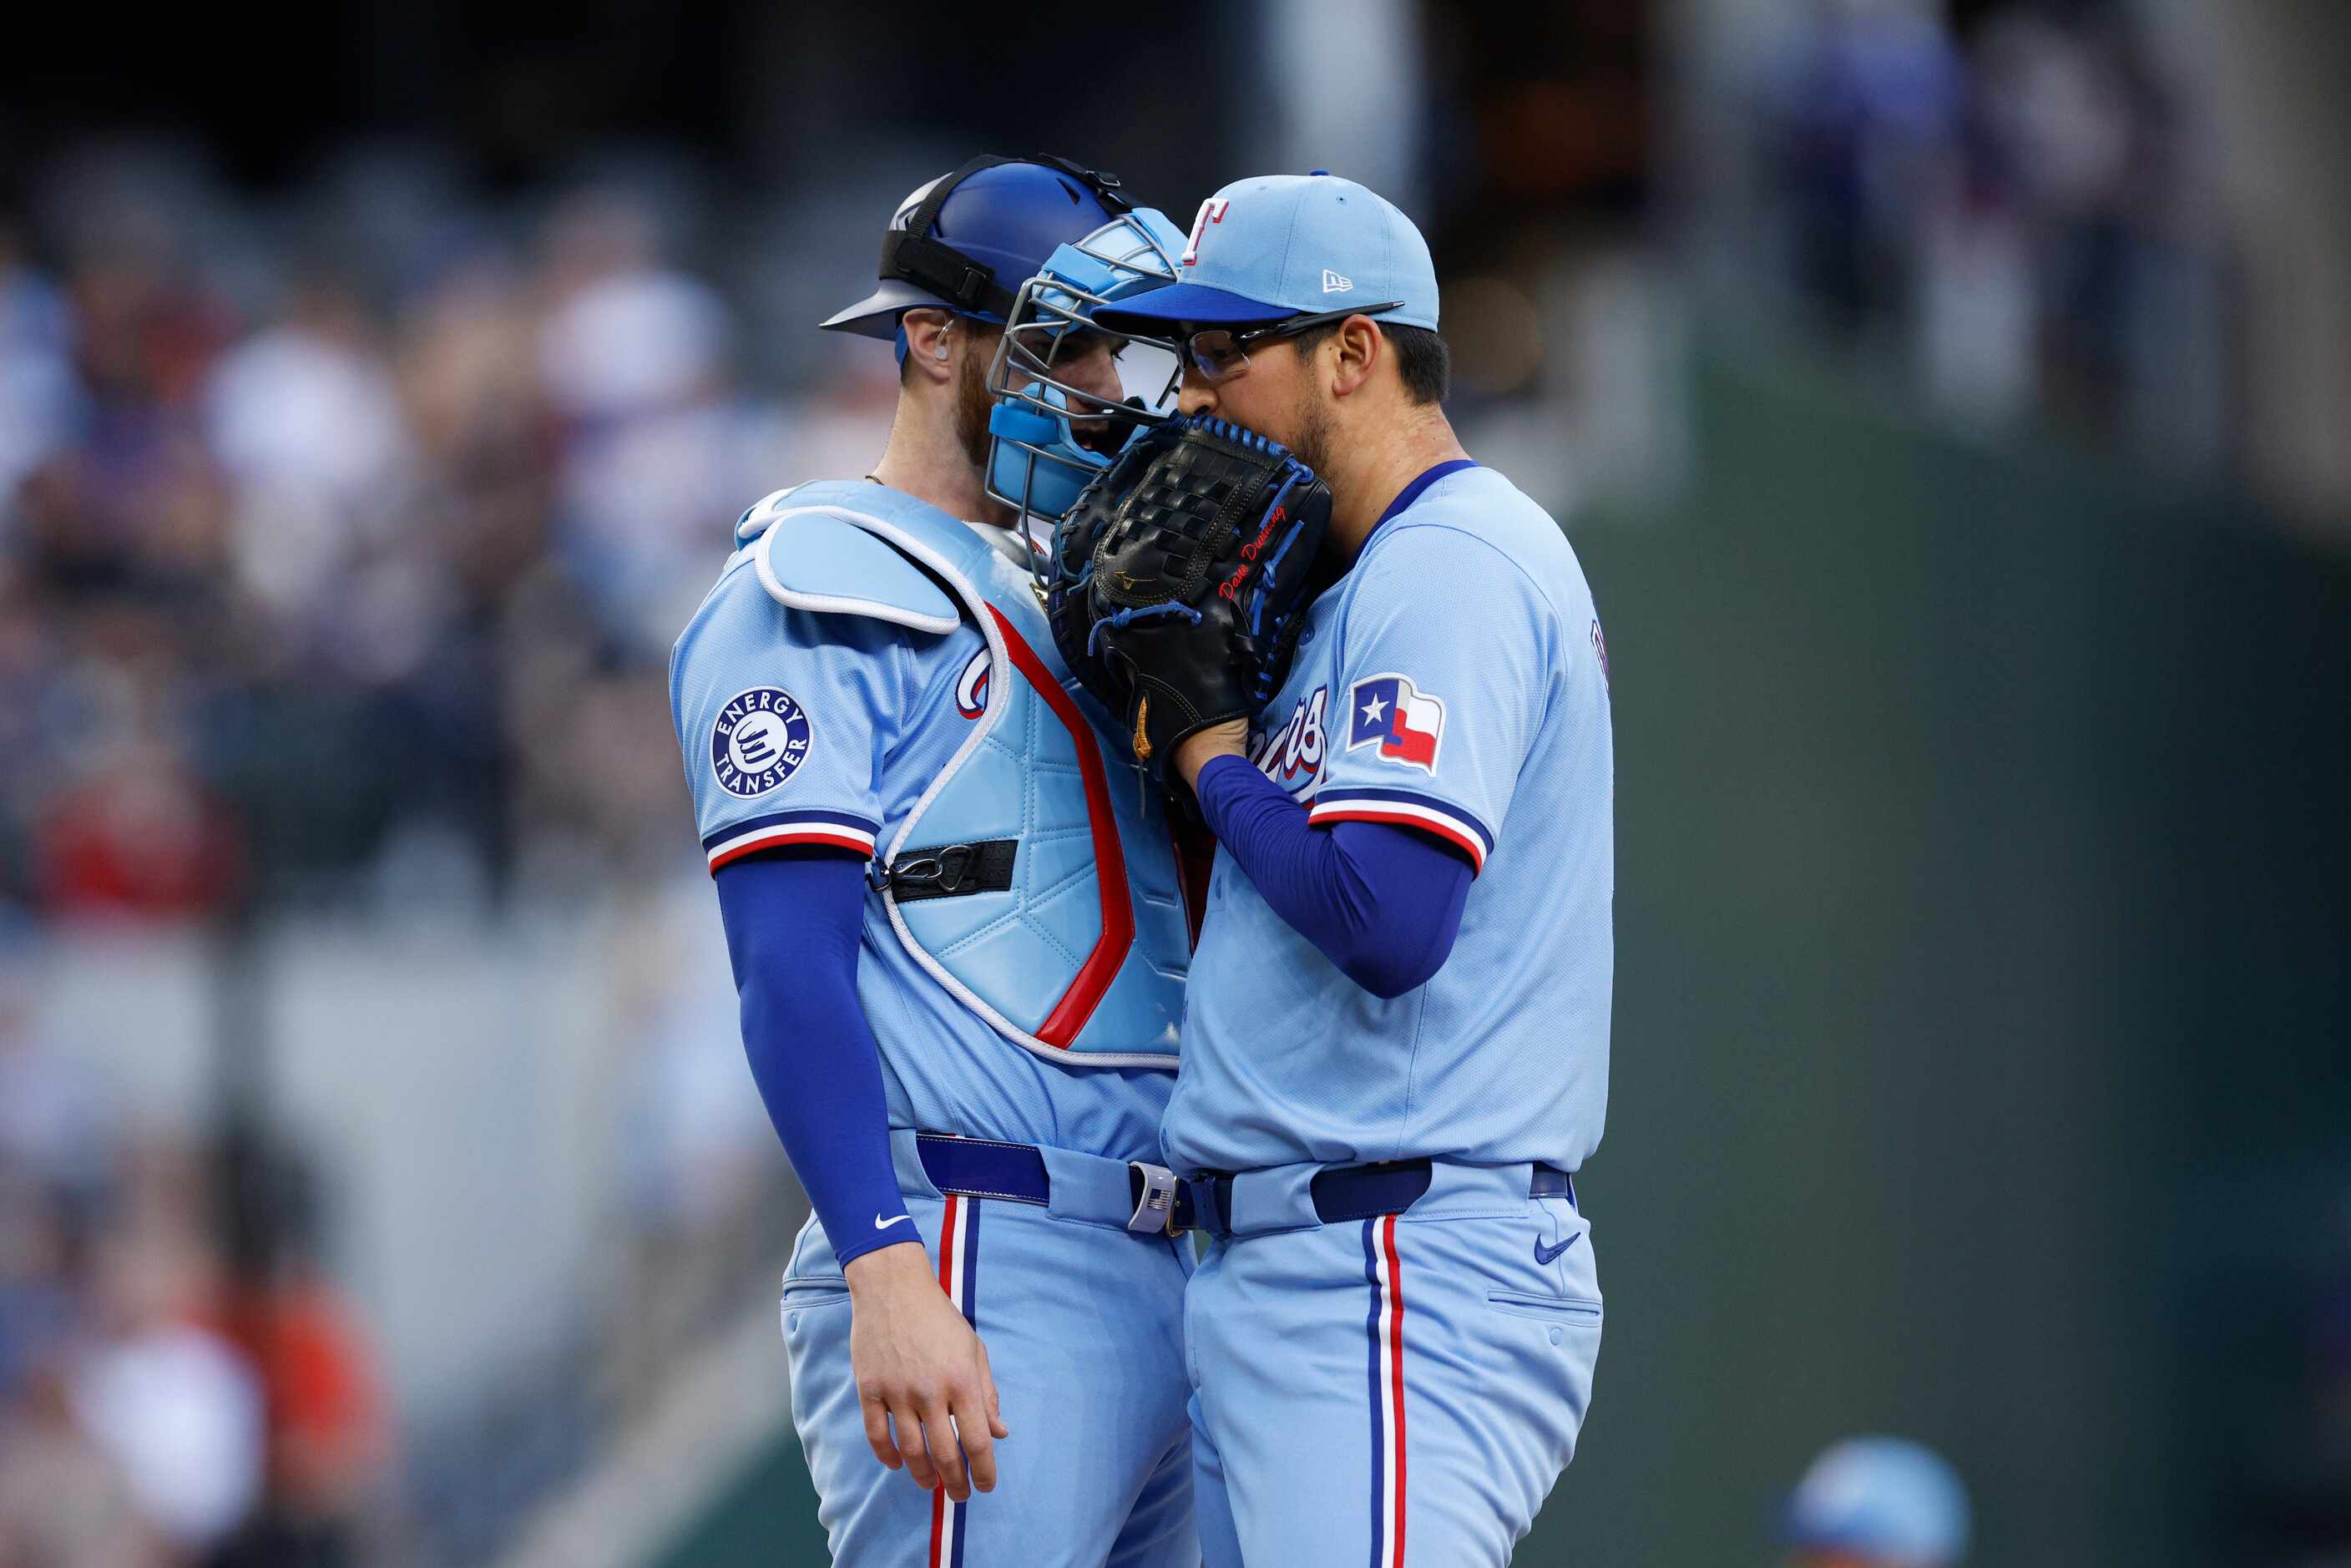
(1051, 436)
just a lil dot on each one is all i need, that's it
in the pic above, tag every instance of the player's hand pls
(923, 1381)
(1197, 750)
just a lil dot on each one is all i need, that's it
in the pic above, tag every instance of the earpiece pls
(941, 352)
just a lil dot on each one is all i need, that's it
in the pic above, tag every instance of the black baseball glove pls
(1185, 577)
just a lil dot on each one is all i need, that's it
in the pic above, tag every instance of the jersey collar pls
(1412, 492)
(1003, 541)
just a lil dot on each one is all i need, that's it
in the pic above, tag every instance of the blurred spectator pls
(329, 1435)
(66, 1500)
(652, 452)
(167, 1401)
(64, 1503)
(1869, 120)
(38, 397)
(134, 833)
(38, 1303)
(1877, 1503)
(57, 1133)
(306, 421)
(2019, 210)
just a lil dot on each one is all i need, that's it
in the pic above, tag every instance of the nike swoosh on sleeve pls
(881, 1224)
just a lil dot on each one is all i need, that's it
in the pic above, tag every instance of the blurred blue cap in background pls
(1883, 1498)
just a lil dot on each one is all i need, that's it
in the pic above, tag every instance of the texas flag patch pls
(1408, 727)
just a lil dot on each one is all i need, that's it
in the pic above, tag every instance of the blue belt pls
(1015, 1172)
(1346, 1193)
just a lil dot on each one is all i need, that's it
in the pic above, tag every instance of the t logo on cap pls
(1212, 211)
(1288, 245)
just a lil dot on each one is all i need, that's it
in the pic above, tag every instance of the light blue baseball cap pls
(1884, 1500)
(1276, 246)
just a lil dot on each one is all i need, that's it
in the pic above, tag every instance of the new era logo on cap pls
(1334, 284)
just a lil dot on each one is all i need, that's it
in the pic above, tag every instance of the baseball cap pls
(1275, 245)
(1886, 1500)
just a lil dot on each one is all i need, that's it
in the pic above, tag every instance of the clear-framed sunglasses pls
(1221, 353)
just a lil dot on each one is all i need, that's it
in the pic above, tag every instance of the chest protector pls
(1035, 878)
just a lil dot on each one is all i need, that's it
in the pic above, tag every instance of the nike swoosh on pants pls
(1545, 1254)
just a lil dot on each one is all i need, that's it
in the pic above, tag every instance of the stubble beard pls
(972, 406)
(1312, 446)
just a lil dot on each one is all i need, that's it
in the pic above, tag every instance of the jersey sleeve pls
(1445, 670)
(783, 717)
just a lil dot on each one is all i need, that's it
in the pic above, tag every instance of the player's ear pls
(1357, 351)
(930, 343)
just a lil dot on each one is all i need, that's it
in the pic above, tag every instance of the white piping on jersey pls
(999, 694)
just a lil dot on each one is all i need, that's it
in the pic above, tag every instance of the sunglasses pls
(1221, 353)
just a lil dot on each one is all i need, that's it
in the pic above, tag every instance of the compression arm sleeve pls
(1383, 903)
(792, 924)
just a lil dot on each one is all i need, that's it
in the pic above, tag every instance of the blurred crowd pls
(344, 530)
(186, 1380)
(175, 1388)
(334, 555)
(343, 535)
(2017, 206)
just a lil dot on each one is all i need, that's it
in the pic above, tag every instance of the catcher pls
(958, 935)
(1396, 1041)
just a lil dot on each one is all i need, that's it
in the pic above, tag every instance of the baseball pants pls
(1396, 1390)
(1083, 1323)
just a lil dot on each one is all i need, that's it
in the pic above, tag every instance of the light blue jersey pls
(1454, 681)
(801, 727)
(1400, 1385)
(872, 675)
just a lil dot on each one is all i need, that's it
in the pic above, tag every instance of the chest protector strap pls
(1035, 877)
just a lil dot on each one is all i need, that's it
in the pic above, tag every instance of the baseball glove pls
(1069, 599)
(1184, 579)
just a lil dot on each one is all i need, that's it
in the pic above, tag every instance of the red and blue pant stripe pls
(959, 1277)
(1384, 1328)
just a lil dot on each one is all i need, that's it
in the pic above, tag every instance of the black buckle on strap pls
(1105, 185)
(951, 870)
(939, 268)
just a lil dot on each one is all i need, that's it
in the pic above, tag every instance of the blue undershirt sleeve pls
(1383, 903)
(792, 924)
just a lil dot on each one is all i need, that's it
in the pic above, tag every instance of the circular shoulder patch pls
(759, 740)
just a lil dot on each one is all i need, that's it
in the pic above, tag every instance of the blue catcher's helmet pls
(967, 239)
(1037, 463)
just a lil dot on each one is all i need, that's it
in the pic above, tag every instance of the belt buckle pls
(1155, 1211)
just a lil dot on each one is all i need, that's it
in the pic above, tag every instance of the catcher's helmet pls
(969, 239)
(1037, 464)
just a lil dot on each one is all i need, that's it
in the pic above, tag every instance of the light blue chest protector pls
(1035, 877)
